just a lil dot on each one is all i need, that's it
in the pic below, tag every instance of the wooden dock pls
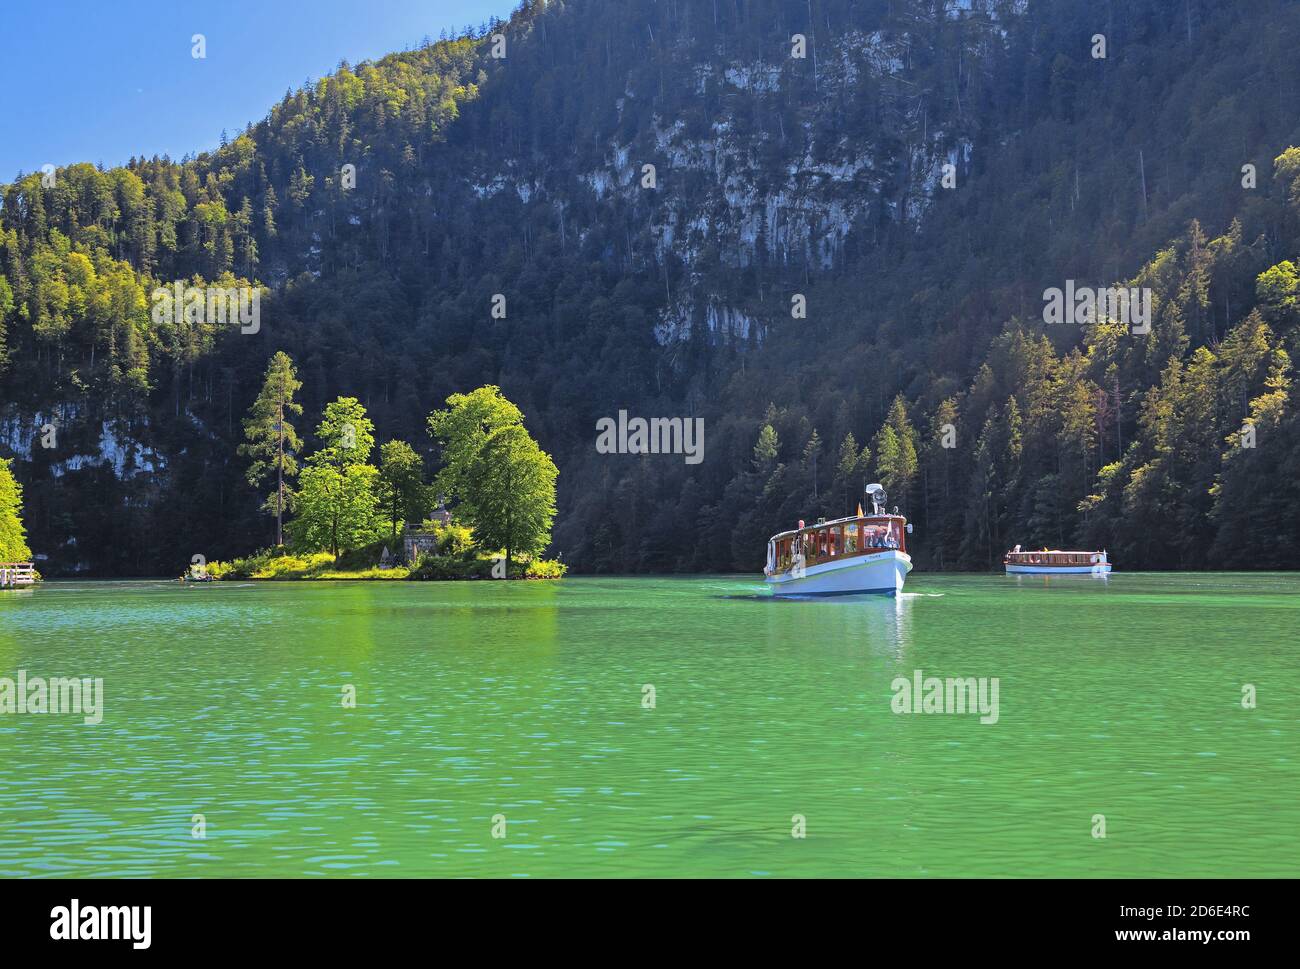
(14, 574)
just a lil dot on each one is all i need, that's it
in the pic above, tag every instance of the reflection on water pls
(527, 699)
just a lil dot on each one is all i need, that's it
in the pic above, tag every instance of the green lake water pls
(1118, 697)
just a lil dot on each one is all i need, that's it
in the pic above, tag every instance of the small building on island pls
(421, 540)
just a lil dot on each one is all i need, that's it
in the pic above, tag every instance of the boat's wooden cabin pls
(837, 540)
(1053, 558)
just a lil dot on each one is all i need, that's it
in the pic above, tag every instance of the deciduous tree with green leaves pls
(335, 505)
(402, 493)
(334, 510)
(504, 482)
(346, 434)
(13, 537)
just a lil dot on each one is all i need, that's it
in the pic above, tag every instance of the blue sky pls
(102, 80)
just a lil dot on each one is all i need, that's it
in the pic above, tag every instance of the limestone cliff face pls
(794, 157)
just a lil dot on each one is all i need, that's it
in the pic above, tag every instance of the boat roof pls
(837, 521)
(1057, 551)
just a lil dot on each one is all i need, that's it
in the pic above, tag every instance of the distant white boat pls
(1056, 562)
(857, 555)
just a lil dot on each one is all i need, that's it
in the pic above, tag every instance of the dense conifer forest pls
(837, 261)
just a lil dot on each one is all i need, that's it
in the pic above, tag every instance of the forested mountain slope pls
(778, 181)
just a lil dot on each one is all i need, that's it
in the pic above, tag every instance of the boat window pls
(851, 537)
(886, 534)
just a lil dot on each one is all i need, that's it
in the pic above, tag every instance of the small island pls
(350, 519)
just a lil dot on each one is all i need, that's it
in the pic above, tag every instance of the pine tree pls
(272, 441)
(810, 452)
(938, 481)
(766, 450)
(851, 469)
(268, 213)
(895, 446)
(888, 458)
(6, 307)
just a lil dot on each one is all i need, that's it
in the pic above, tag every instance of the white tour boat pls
(858, 555)
(1056, 562)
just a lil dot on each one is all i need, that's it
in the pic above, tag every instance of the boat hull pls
(1102, 568)
(881, 573)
